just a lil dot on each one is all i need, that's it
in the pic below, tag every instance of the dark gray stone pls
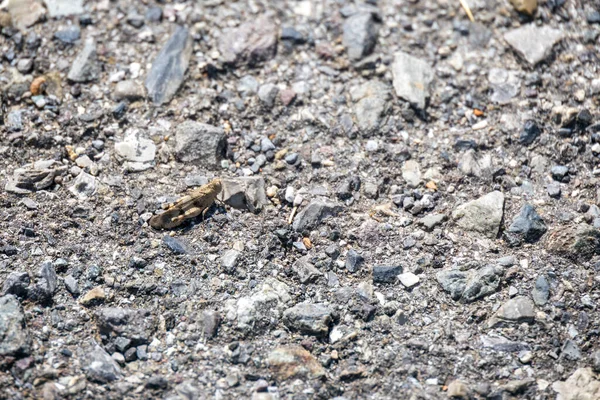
(469, 286)
(69, 35)
(530, 132)
(541, 291)
(305, 270)
(431, 221)
(353, 261)
(154, 14)
(44, 289)
(311, 319)
(526, 227)
(157, 382)
(16, 283)
(386, 273)
(169, 67)
(350, 185)
(359, 35)
(211, 322)
(14, 336)
(99, 366)
(200, 144)
(251, 43)
(85, 67)
(570, 351)
(554, 190)
(136, 325)
(596, 361)
(453, 281)
(503, 344)
(314, 213)
(174, 245)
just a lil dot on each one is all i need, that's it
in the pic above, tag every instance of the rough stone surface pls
(360, 35)
(14, 335)
(294, 362)
(526, 227)
(169, 67)
(581, 384)
(311, 319)
(371, 103)
(483, 215)
(533, 43)
(252, 42)
(85, 67)
(245, 193)
(99, 365)
(314, 213)
(412, 79)
(469, 286)
(63, 8)
(200, 144)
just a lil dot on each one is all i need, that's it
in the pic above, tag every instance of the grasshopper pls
(189, 206)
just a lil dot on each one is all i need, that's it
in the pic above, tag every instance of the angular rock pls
(128, 90)
(502, 344)
(229, 260)
(411, 173)
(174, 245)
(386, 273)
(46, 285)
(576, 242)
(98, 365)
(200, 144)
(371, 103)
(505, 85)
(359, 35)
(135, 148)
(541, 291)
(83, 186)
(468, 286)
(483, 215)
(408, 279)
(169, 67)
(31, 178)
(63, 8)
(14, 336)
(25, 13)
(294, 362)
(315, 212)
(137, 325)
(477, 164)
(16, 283)
(431, 221)
(412, 79)
(530, 132)
(520, 309)
(533, 43)
(211, 322)
(310, 319)
(264, 306)
(527, 227)
(583, 384)
(267, 94)
(251, 43)
(305, 270)
(85, 67)
(570, 351)
(93, 297)
(353, 261)
(244, 193)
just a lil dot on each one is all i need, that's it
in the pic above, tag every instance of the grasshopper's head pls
(216, 185)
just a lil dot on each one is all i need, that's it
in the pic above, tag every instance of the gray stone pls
(386, 273)
(135, 148)
(14, 120)
(229, 260)
(305, 270)
(526, 227)
(554, 190)
(411, 173)
(505, 85)
(468, 286)
(596, 361)
(314, 213)
(244, 193)
(266, 145)
(200, 144)
(431, 221)
(483, 215)
(499, 343)
(474, 163)
(83, 186)
(520, 309)
(136, 325)
(267, 94)
(571, 351)
(25, 65)
(559, 173)
(353, 261)
(98, 365)
(34, 177)
(247, 86)
(251, 43)
(174, 245)
(14, 336)
(128, 90)
(25, 13)
(69, 35)
(533, 43)
(211, 321)
(46, 285)
(63, 8)
(371, 103)
(85, 67)
(169, 67)
(359, 35)
(310, 319)
(263, 307)
(412, 79)
(541, 291)
(16, 283)
(72, 285)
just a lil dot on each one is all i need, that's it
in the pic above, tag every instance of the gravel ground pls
(409, 205)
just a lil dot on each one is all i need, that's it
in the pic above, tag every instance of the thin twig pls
(464, 5)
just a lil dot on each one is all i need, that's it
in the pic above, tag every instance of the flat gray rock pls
(371, 103)
(99, 366)
(311, 319)
(533, 43)
(14, 336)
(85, 67)
(199, 144)
(315, 212)
(482, 215)
(169, 67)
(244, 193)
(520, 309)
(412, 79)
